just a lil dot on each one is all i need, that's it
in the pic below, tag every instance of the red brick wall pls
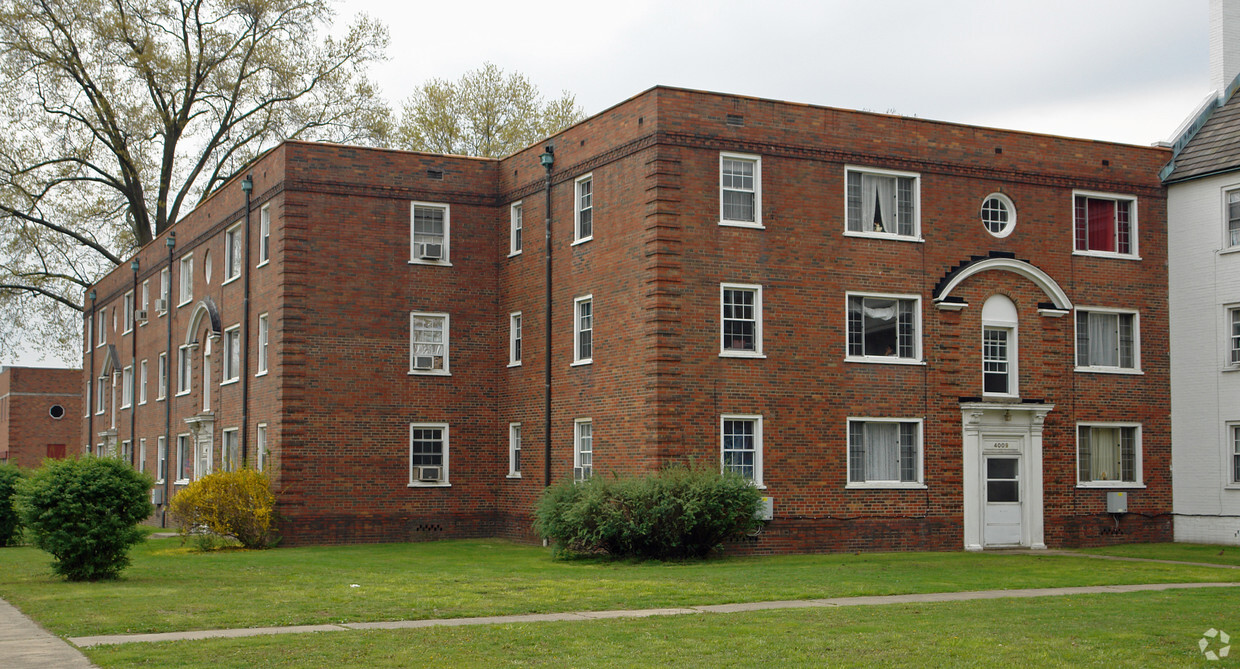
(27, 426)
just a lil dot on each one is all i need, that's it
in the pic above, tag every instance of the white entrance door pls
(1002, 508)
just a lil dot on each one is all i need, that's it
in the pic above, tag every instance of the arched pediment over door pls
(1058, 303)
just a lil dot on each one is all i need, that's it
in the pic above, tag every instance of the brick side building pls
(910, 334)
(39, 411)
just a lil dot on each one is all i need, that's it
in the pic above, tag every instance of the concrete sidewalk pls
(24, 644)
(88, 641)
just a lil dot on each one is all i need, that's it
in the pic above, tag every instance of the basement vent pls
(428, 528)
(437, 175)
(736, 120)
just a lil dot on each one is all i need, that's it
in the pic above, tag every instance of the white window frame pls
(581, 471)
(578, 330)
(446, 343)
(724, 351)
(756, 419)
(1104, 369)
(230, 360)
(161, 459)
(1138, 474)
(578, 209)
(1009, 210)
(916, 203)
(1011, 328)
(126, 387)
(230, 461)
(186, 450)
(1231, 336)
(161, 376)
(260, 446)
(264, 235)
(129, 308)
(264, 337)
(886, 359)
(515, 338)
(1133, 228)
(414, 256)
(756, 161)
(514, 450)
(165, 289)
(185, 292)
(516, 228)
(126, 454)
(103, 327)
(185, 370)
(232, 254)
(146, 300)
(142, 455)
(142, 376)
(443, 482)
(919, 468)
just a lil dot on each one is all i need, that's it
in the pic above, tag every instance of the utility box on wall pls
(765, 510)
(1117, 502)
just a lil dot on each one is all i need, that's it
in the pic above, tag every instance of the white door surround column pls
(984, 426)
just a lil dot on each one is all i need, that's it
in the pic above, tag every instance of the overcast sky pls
(1128, 71)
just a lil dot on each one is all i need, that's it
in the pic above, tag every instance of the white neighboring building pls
(1203, 249)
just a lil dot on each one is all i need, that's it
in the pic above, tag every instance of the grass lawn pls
(1208, 553)
(1158, 629)
(172, 588)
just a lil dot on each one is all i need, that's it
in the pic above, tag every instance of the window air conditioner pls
(140, 315)
(430, 251)
(161, 305)
(423, 362)
(157, 496)
(429, 474)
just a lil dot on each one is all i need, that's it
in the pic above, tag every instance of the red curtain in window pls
(1101, 225)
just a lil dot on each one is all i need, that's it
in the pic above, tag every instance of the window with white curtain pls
(885, 452)
(883, 328)
(1107, 340)
(882, 202)
(428, 343)
(1108, 454)
(740, 190)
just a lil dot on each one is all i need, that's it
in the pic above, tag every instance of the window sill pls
(230, 280)
(885, 360)
(418, 372)
(262, 373)
(1012, 397)
(583, 240)
(182, 393)
(229, 382)
(262, 264)
(1106, 254)
(1110, 370)
(181, 482)
(129, 331)
(1227, 369)
(161, 314)
(514, 364)
(142, 403)
(160, 399)
(742, 224)
(431, 263)
(125, 406)
(579, 363)
(876, 485)
(741, 354)
(181, 304)
(513, 254)
(514, 476)
(1109, 485)
(885, 235)
(418, 484)
(159, 481)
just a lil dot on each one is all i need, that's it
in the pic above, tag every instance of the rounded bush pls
(236, 504)
(677, 513)
(10, 523)
(85, 512)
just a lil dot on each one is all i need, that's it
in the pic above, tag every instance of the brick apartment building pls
(38, 414)
(909, 333)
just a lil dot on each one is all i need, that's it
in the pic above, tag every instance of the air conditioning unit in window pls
(157, 495)
(423, 362)
(428, 474)
(140, 315)
(430, 251)
(161, 305)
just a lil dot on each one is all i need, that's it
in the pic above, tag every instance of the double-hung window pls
(740, 446)
(428, 343)
(428, 454)
(142, 383)
(1107, 340)
(884, 452)
(583, 209)
(1104, 224)
(161, 375)
(514, 339)
(129, 316)
(232, 253)
(740, 320)
(185, 458)
(101, 391)
(1233, 336)
(583, 449)
(514, 450)
(184, 367)
(264, 335)
(146, 298)
(230, 450)
(127, 387)
(232, 355)
(583, 330)
(103, 327)
(1108, 454)
(165, 290)
(882, 202)
(161, 459)
(999, 321)
(264, 235)
(186, 280)
(884, 328)
(260, 446)
(740, 190)
(431, 224)
(515, 227)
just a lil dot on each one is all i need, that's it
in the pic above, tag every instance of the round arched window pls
(56, 411)
(998, 214)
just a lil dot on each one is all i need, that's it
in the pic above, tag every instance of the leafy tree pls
(485, 113)
(10, 523)
(120, 116)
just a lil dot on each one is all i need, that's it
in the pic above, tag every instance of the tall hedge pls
(679, 512)
(85, 512)
(10, 524)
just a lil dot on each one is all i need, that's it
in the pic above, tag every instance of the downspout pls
(91, 390)
(171, 243)
(247, 185)
(547, 159)
(133, 362)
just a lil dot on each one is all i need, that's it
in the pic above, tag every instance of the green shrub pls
(85, 513)
(10, 524)
(236, 504)
(677, 513)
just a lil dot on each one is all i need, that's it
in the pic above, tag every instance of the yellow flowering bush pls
(236, 504)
